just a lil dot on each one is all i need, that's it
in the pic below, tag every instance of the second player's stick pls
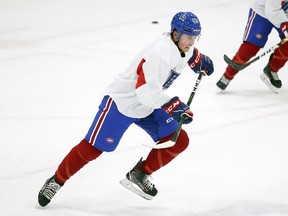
(243, 66)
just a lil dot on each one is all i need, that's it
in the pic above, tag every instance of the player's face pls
(186, 42)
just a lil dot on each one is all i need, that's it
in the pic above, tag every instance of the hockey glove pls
(177, 109)
(284, 28)
(199, 62)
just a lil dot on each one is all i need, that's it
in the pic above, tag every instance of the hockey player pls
(137, 95)
(264, 15)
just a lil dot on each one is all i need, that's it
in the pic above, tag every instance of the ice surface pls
(55, 58)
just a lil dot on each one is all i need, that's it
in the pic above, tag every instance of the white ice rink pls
(55, 58)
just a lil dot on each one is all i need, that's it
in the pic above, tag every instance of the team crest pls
(109, 140)
(182, 17)
(258, 36)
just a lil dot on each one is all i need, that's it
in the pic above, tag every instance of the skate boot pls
(223, 83)
(48, 191)
(271, 78)
(138, 182)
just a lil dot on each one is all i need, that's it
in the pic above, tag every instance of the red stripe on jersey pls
(101, 120)
(248, 27)
(141, 77)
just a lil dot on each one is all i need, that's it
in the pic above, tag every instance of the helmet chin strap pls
(178, 34)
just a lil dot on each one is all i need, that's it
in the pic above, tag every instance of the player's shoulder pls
(161, 44)
(165, 43)
(163, 49)
(162, 40)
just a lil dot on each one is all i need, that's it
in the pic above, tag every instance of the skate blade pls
(135, 189)
(265, 79)
(37, 206)
(219, 90)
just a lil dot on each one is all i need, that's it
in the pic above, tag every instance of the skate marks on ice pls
(240, 208)
(103, 208)
(248, 208)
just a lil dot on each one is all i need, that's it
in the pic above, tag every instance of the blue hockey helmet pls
(186, 23)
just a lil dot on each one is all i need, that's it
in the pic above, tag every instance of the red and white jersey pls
(271, 10)
(140, 89)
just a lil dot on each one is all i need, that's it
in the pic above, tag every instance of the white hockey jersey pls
(271, 10)
(140, 89)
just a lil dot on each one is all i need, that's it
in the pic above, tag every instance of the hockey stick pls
(172, 142)
(243, 66)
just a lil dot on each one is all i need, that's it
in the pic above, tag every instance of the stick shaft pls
(172, 142)
(176, 134)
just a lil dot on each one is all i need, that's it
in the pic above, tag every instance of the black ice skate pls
(271, 79)
(48, 191)
(137, 181)
(223, 83)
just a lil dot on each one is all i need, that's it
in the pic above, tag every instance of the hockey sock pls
(78, 157)
(158, 158)
(280, 57)
(246, 51)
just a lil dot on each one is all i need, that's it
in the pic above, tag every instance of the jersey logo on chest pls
(173, 76)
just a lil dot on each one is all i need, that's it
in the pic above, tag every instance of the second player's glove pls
(284, 28)
(199, 62)
(177, 109)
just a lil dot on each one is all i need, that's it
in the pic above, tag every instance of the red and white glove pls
(284, 28)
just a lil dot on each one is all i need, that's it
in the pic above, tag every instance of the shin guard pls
(280, 57)
(246, 51)
(158, 158)
(78, 157)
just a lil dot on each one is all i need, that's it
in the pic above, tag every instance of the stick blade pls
(157, 145)
(233, 64)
